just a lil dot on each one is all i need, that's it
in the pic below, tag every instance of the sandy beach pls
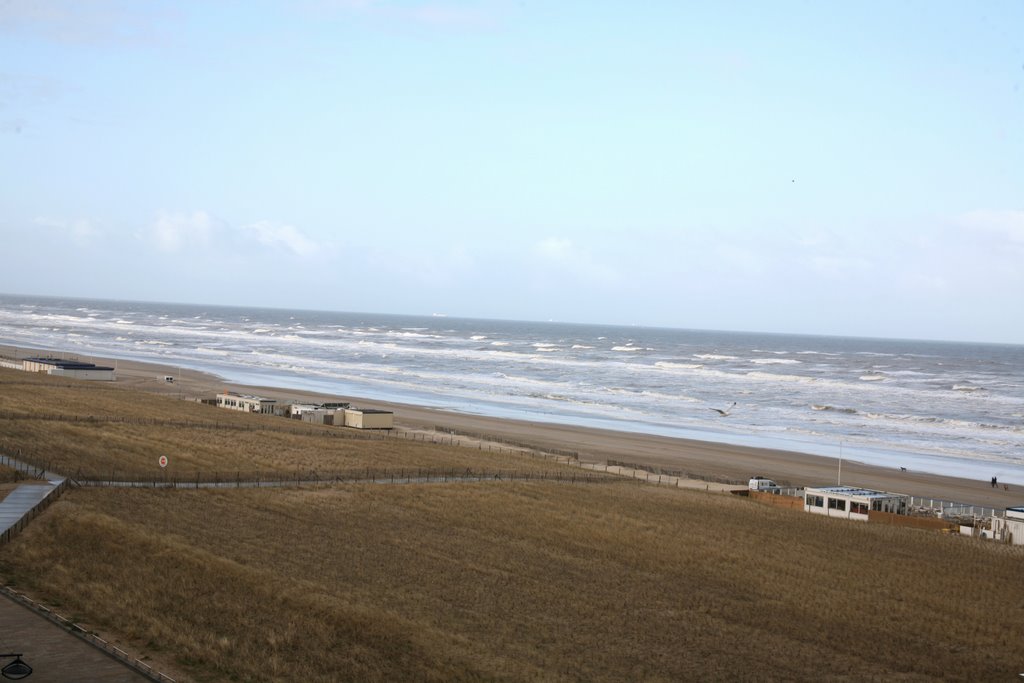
(597, 445)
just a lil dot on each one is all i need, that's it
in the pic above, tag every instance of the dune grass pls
(520, 581)
(476, 581)
(99, 430)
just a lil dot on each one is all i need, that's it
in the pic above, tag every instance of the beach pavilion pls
(849, 502)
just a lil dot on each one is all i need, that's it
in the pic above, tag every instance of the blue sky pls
(829, 168)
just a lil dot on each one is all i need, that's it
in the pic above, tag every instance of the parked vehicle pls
(763, 484)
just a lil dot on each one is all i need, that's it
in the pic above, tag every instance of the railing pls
(33, 512)
(945, 508)
(91, 638)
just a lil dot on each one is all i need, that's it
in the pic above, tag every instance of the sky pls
(841, 168)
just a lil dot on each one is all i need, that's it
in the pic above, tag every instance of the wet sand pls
(703, 458)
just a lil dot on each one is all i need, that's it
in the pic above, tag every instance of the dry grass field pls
(100, 430)
(482, 581)
(523, 581)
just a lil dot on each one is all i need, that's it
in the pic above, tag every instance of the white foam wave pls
(714, 356)
(872, 378)
(775, 361)
(678, 366)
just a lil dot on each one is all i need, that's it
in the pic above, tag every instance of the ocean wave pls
(714, 356)
(678, 366)
(771, 376)
(848, 411)
(967, 387)
(478, 337)
(629, 349)
(776, 361)
(581, 346)
(872, 378)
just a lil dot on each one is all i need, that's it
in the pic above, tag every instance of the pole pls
(839, 479)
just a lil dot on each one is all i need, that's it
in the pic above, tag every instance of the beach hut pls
(1010, 527)
(366, 418)
(849, 502)
(68, 368)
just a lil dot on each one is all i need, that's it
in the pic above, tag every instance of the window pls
(836, 504)
(859, 508)
(814, 501)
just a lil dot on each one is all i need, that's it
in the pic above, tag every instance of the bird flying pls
(725, 413)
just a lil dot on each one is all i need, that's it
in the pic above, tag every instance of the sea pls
(935, 406)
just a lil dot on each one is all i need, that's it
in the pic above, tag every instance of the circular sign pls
(163, 461)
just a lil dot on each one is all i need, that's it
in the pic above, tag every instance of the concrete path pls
(54, 654)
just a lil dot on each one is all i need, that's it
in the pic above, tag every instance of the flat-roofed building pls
(324, 416)
(1010, 528)
(366, 418)
(850, 502)
(245, 403)
(68, 368)
(296, 410)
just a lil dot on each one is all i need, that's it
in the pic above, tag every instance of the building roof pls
(248, 397)
(854, 491)
(68, 364)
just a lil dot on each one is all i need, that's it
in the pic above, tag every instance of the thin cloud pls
(172, 232)
(429, 13)
(1005, 224)
(277, 235)
(81, 231)
(76, 21)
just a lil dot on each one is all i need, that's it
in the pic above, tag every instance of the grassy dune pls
(100, 430)
(520, 581)
(487, 581)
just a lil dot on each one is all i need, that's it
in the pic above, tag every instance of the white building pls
(68, 368)
(1009, 529)
(298, 409)
(849, 502)
(248, 404)
(366, 418)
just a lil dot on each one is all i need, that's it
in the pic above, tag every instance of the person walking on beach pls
(994, 482)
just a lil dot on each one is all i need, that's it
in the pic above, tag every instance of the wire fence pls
(406, 475)
(681, 474)
(117, 653)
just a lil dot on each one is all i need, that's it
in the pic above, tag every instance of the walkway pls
(54, 654)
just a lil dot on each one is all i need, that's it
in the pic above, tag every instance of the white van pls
(762, 484)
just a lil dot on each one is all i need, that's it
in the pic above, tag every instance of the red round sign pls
(163, 461)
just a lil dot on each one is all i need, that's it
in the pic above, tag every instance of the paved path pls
(22, 499)
(55, 655)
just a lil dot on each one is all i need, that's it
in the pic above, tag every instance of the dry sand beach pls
(598, 445)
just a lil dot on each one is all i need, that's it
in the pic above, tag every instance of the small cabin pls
(366, 418)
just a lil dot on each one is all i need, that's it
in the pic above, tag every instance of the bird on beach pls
(725, 413)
